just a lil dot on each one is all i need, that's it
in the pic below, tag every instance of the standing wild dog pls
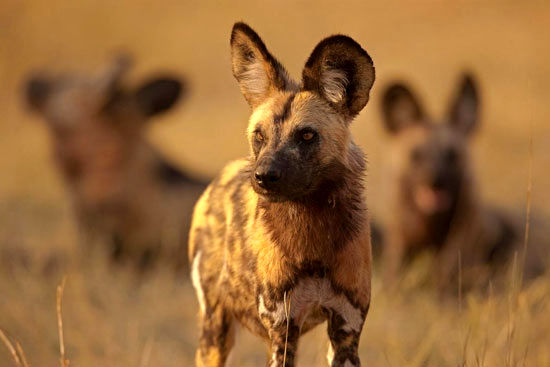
(124, 193)
(280, 241)
(431, 191)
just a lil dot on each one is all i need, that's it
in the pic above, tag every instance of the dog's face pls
(95, 124)
(432, 156)
(299, 134)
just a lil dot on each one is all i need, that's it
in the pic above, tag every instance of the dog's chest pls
(309, 303)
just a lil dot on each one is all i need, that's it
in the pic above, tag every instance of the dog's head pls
(299, 133)
(432, 155)
(96, 123)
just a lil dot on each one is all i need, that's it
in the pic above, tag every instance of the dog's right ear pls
(259, 74)
(400, 108)
(465, 107)
(158, 95)
(36, 92)
(342, 72)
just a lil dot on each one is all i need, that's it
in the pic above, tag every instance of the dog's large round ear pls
(400, 108)
(258, 73)
(341, 72)
(159, 94)
(36, 92)
(464, 109)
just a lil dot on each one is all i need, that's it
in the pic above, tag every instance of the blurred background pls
(114, 322)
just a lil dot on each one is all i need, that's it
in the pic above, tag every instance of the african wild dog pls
(280, 241)
(432, 194)
(124, 193)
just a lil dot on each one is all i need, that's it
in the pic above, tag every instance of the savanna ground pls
(110, 320)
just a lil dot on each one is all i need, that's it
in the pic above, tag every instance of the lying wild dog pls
(280, 241)
(434, 203)
(124, 193)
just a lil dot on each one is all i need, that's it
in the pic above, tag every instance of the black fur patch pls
(285, 114)
(341, 53)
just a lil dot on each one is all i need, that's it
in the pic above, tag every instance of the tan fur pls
(281, 265)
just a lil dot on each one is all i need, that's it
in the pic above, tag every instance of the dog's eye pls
(258, 136)
(307, 135)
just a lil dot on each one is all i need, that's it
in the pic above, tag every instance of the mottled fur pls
(280, 241)
(432, 194)
(124, 192)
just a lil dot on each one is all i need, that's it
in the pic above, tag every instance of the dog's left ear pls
(464, 109)
(341, 72)
(257, 71)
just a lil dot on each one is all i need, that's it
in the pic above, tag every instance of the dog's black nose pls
(267, 178)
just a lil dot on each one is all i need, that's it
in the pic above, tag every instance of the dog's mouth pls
(430, 200)
(272, 195)
(280, 194)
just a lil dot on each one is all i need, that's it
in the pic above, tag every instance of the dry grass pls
(117, 323)
(63, 362)
(109, 319)
(16, 354)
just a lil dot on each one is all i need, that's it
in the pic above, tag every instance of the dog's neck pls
(314, 227)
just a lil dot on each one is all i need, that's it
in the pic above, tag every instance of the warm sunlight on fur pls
(65, 304)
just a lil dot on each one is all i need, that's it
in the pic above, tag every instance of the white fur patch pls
(278, 315)
(273, 361)
(349, 364)
(352, 315)
(254, 80)
(330, 354)
(334, 84)
(196, 279)
(313, 292)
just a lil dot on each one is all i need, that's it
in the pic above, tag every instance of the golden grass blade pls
(22, 354)
(62, 360)
(387, 358)
(459, 283)
(525, 356)
(146, 353)
(527, 206)
(10, 347)
(465, 349)
(422, 353)
(287, 314)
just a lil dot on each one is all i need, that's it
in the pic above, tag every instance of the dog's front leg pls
(283, 330)
(284, 343)
(344, 333)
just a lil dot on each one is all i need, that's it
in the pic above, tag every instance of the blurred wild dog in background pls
(280, 241)
(433, 197)
(125, 194)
